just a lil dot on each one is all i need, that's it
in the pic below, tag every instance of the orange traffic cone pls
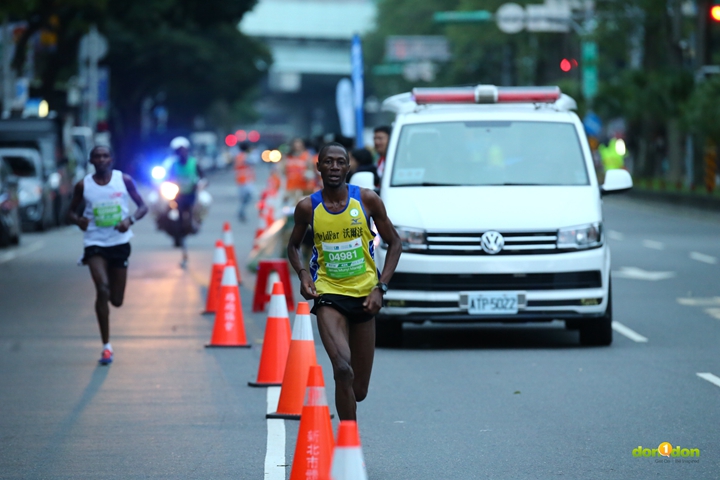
(347, 461)
(229, 329)
(261, 227)
(216, 274)
(314, 447)
(300, 357)
(276, 343)
(230, 248)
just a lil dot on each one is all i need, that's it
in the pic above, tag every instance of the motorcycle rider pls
(187, 174)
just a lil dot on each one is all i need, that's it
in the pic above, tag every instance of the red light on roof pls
(565, 65)
(241, 135)
(253, 136)
(486, 94)
(231, 140)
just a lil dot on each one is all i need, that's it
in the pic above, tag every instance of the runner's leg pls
(99, 271)
(362, 352)
(333, 327)
(118, 279)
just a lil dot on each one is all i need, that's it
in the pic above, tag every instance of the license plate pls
(500, 303)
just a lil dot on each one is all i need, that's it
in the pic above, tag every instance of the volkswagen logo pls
(492, 242)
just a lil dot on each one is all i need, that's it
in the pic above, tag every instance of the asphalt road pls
(454, 402)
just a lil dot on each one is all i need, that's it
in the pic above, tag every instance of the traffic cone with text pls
(276, 342)
(216, 274)
(229, 329)
(229, 242)
(300, 357)
(348, 462)
(314, 447)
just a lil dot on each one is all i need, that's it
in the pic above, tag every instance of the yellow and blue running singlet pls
(343, 258)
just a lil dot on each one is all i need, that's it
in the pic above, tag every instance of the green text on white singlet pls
(107, 214)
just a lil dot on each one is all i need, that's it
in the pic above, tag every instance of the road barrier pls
(265, 269)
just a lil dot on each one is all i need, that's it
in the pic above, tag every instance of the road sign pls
(510, 18)
(549, 17)
(589, 70)
(592, 124)
(463, 17)
(93, 46)
(412, 48)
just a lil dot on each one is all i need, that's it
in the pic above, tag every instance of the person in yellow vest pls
(342, 277)
(613, 155)
(245, 178)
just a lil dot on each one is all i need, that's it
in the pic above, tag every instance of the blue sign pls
(592, 124)
(356, 60)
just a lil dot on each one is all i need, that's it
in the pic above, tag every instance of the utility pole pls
(7, 74)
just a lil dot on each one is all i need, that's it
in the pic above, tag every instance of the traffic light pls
(715, 13)
(567, 64)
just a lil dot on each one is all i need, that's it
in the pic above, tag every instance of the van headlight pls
(582, 236)
(411, 239)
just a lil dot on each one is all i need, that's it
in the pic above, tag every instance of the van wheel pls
(388, 333)
(598, 332)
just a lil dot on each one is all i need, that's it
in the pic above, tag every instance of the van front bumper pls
(558, 286)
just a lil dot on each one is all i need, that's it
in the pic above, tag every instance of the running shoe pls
(106, 358)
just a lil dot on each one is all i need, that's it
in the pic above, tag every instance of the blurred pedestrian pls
(361, 161)
(245, 178)
(299, 170)
(106, 222)
(381, 138)
(343, 279)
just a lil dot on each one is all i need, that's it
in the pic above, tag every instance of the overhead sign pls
(510, 18)
(413, 48)
(589, 70)
(550, 17)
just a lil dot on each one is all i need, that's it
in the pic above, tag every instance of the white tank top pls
(106, 206)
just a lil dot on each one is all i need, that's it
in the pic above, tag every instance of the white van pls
(494, 194)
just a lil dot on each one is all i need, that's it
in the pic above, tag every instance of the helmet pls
(179, 142)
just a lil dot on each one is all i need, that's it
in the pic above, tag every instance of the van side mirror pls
(616, 181)
(363, 180)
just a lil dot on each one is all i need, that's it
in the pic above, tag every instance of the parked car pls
(494, 194)
(35, 192)
(9, 208)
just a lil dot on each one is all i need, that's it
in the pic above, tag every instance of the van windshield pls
(489, 153)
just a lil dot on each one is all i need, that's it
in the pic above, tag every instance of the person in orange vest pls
(299, 170)
(245, 178)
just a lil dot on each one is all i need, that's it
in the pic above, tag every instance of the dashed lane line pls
(699, 301)
(713, 312)
(710, 378)
(13, 254)
(654, 245)
(701, 257)
(629, 333)
(615, 235)
(275, 451)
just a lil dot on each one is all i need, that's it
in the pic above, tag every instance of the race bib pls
(343, 260)
(107, 214)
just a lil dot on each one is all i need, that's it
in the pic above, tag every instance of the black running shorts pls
(350, 307)
(116, 256)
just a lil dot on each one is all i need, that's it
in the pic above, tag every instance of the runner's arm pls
(142, 209)
(376, 210)
(303, 217)
(72, 216)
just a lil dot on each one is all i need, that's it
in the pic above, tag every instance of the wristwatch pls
(383, 287)
(132, 219)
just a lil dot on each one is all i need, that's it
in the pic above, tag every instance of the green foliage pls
(702, 112)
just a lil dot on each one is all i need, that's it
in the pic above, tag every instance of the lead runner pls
(343, 279)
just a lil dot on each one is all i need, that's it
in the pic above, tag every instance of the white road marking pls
(613, 235)
(653, 244)
(710, 378)
(13, 254)
(275, 450)
(635, 273)
(701, 257)
(629, 333)
(699, 302)
(713, 312)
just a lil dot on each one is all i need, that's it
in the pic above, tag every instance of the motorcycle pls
(164, 206)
